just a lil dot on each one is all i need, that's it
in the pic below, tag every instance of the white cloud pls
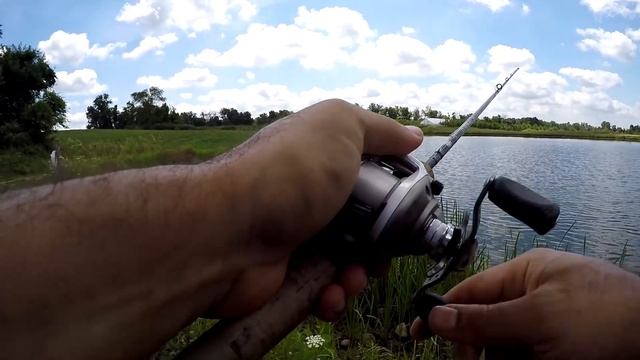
(613, 45)
(453, 57)
(79, 82)
(598, 102)
(393, 55)
(140, 10)
(72, 48)
(613, 7)
(188, 77)
(592, 79)
(545, 95)
(504, 59)
(318, 39)
(151, 43)
(406, 30)
(186, 96)
(250, 75)
(633, 34)
(317, 42)
(493, 5)
(191, 16)
(531, 86)
(341, 24)
(266, 45)
(102, 52)
(525, 9)
(77, 120)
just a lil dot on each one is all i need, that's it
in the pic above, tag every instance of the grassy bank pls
(98, 151)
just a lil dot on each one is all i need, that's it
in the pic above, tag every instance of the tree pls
(146, 108)
(605, 125)
(101, 115)
(266, 119)
(415, 116)
(234, 117)
(29, 110)
(376, 108)
(211, 119)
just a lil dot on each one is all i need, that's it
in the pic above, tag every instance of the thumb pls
(496, 324)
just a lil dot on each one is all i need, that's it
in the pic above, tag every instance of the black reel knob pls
(536, 211)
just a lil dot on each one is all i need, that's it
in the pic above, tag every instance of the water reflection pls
(595, 183)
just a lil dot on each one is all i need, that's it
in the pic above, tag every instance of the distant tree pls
(404, 114)
(234, 117)
(431, 113)
(605, 125)
(101, 114)
(192, 118)
(376, 108)
(211, 119)
(146, 108)
(29, 110)
(415, 116)
(272, 116)
(391, 112)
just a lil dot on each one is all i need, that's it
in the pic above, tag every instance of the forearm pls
(115, 251)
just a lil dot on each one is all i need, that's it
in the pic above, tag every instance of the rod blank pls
(456, 135)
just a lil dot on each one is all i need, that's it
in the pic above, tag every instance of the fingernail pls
(443, 318)
(416, 130)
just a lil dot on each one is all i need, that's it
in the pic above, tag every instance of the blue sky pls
(579, 57)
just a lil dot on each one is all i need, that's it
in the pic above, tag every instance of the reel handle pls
(524, 204)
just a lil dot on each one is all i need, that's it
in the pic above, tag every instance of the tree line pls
(29, 108)
(499, 122)
(148, 109)
(31, 111)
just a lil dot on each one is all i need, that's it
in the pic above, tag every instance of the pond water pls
(596, 184)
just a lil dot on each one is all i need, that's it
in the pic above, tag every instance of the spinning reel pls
(394, 211)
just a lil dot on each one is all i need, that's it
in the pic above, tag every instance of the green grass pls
(98, 151)
(95, 152)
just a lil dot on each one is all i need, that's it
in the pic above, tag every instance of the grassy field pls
(98, 151)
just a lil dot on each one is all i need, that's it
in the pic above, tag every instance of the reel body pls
(394, 211)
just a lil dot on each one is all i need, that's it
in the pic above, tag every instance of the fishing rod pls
(393, 211)
(456, 135)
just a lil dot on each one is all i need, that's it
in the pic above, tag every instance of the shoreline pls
(577, 135)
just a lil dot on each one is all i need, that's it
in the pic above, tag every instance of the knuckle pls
(539, 252)
(339, 103)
